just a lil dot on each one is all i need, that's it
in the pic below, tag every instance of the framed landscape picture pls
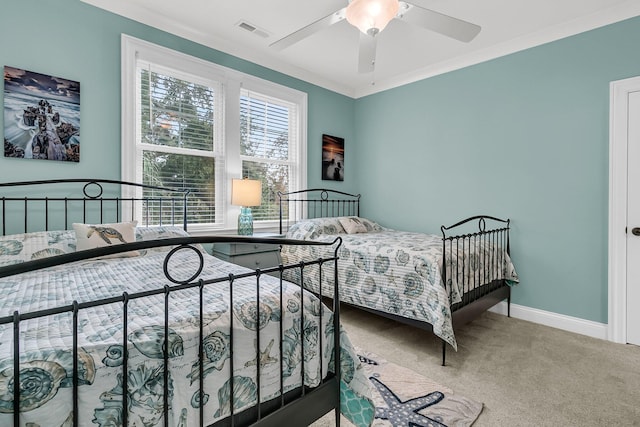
(332, 158)
(41, 116)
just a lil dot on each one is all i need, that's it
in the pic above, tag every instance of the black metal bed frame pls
(94, 204)
(297, 407)
(479, 294)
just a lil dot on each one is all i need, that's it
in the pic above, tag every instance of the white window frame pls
(232, 82)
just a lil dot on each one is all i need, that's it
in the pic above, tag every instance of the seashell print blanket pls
(393, 271)
(47, 363)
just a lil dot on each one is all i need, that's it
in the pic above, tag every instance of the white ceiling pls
(405, 53)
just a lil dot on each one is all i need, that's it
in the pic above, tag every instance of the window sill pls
(229, 231)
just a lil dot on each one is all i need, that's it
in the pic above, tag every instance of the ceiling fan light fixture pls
(371, 16)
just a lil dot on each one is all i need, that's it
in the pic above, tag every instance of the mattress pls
(46, 363)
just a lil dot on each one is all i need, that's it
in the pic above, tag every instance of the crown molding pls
(626, 10)
(602, 18)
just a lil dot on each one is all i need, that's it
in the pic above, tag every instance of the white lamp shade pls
(246, 192)
(371, 16)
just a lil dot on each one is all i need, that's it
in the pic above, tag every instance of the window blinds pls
(268, 133)
(180, 141)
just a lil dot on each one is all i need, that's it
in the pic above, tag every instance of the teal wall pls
(70, 39)
(525, 136)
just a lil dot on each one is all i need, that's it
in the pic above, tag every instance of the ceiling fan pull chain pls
(373, 73)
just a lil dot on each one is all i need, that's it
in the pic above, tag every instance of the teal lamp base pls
(245, 222)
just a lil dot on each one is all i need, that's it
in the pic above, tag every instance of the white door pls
(633, 220)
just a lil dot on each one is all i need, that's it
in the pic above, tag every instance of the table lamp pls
(246, 193)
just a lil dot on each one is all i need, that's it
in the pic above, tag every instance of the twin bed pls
(154, 331)
(397, 274)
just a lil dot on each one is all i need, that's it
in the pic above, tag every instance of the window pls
(179, 144)
(267, 126)
(192, 124)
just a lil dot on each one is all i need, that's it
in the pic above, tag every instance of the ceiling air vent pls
(252, 29)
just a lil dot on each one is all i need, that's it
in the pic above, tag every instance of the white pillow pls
(90, 236)
(352, 225)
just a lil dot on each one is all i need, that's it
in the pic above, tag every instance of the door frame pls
(617, 264)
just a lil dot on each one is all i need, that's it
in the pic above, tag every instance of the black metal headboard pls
(55, 204)
(316, 203)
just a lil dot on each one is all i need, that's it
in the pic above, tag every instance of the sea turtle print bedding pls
(393, 271)
(46, 363)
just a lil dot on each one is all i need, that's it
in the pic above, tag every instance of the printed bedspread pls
(46, 367)
(392, 271)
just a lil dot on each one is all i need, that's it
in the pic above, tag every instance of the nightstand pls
(250, 255)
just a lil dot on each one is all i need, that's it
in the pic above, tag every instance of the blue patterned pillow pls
(144, 234)
(311, 229)
(159, 232)
(17, 248)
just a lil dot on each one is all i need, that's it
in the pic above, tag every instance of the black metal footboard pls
(298, 406)
(474, 256)
(473, 267)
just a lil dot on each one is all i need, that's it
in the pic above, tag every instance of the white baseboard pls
(554, 320)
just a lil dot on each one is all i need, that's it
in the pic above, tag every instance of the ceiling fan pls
(371, 16)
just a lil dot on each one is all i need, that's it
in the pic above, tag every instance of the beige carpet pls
(525, 374)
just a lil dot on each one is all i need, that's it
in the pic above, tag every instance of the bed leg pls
(337, 410)
(444, 351)
(509, 303)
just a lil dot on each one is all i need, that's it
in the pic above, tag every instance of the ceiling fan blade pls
(438, 22)
(367, 53)
(305, 32)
